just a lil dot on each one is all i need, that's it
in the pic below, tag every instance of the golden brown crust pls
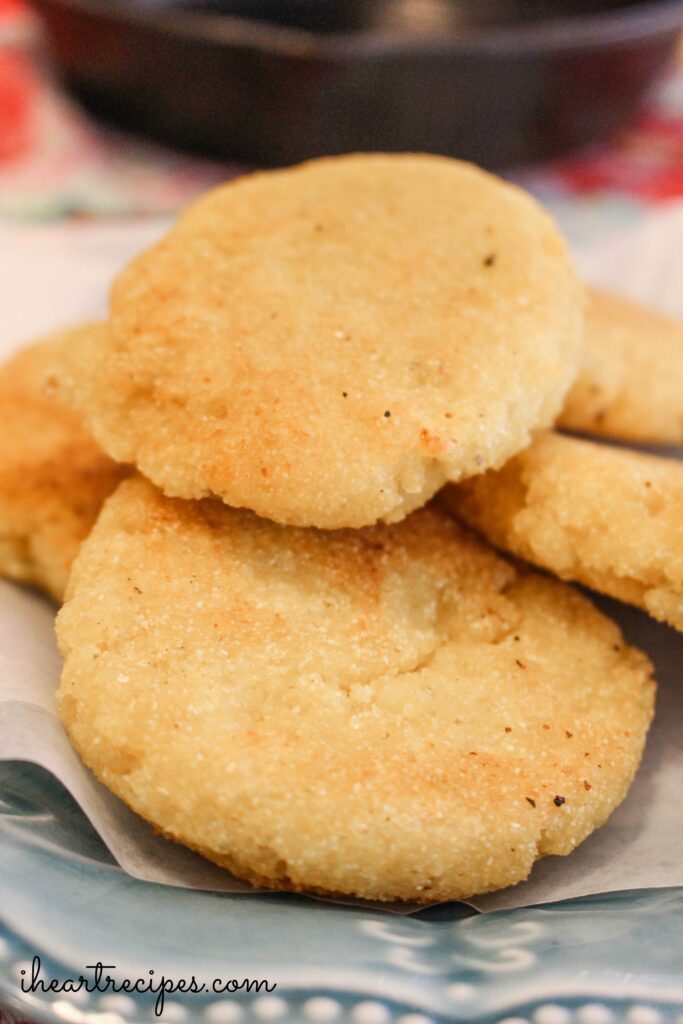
(394, 712)
(606, 517)
(53, 477)
(326, 345)
(631, 383)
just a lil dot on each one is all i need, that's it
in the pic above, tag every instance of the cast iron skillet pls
(499, 82)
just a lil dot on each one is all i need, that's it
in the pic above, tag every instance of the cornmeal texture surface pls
(604, 516)
(630, 386)
(326, 345)
(53, 477)
(394, 712)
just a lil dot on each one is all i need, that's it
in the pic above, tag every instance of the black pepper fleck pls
(558, 801)
(387, 414)
(490, 259)
(530, 801)
(345, 394)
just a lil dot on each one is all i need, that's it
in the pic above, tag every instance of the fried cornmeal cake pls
(53, 477)
(394, 712)
(326, 345)
(601, 515)
(630, 386)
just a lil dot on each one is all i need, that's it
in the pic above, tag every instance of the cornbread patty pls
(53, 477)
(326, 345)
(607, 517)
(393, 712)
(630, 385)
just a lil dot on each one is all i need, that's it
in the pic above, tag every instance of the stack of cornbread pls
(266, 489)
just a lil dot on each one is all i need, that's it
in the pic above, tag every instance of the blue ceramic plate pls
(591, 961)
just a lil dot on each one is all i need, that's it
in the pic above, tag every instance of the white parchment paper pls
(53, 276)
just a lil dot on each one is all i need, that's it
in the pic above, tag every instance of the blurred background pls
(130, 107)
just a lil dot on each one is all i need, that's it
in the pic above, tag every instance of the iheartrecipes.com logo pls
(155, 984)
